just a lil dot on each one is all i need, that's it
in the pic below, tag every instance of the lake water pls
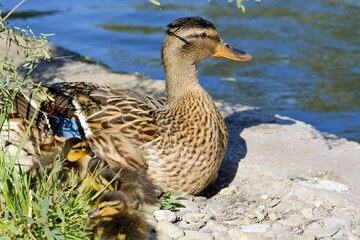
(306, 54)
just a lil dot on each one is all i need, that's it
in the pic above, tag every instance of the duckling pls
(113, 219)
(75, 154)
(133, 184)
(97, 174)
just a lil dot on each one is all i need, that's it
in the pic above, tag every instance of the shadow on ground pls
(237, 149)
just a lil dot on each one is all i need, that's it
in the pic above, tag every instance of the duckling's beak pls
(94, 214)
(224, 50)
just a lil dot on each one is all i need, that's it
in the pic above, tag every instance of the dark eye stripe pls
(201, 36)
(78, 148)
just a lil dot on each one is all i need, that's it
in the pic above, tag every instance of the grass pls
(41, 208)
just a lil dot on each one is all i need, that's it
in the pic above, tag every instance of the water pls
(306, 53)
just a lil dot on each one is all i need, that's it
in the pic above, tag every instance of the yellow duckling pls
(96, 173)
(113, 219)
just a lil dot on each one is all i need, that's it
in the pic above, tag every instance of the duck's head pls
(74, 149)
(110, 204)
(195, 38)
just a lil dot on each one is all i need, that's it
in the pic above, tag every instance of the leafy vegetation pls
(168, 202)
(45, 208)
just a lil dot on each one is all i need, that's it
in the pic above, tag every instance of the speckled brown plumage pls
(179, 143)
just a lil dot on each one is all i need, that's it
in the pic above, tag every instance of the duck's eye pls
(203, 35)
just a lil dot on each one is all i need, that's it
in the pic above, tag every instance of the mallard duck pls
(180, 142)
(112, 219)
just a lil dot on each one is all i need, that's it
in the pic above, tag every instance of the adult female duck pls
(180, 142)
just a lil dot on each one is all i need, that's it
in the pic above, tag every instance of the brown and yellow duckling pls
(96, 173)
(179, 143)
(114, 219)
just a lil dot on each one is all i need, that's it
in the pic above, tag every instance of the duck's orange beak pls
(224, 50)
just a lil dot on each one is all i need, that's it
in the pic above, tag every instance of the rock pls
(274, 202)
(219, 235)
(264, 197)
(196, 235)
(318, 204)
(214, 226)
(160, 236)
(165, 215)
(227, 191)
(193, 217)
(191, 225)
(164, 227)
(216, 209)
(272, 217)
(292, 221)
(307, 213)
(255, 228)
(319, 232)
(259, 214)
(238, 234)
(189, 206)
(245, 221)
(334, 222)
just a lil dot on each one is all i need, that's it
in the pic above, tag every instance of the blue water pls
(306, 53)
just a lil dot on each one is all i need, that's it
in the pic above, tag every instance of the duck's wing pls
(115, 122)
(23, 125)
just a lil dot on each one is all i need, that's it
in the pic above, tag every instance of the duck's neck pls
(181, 76)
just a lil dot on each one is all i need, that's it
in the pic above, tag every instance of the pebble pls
(318, 204)
(214, 226)
(165, 215)
(160, 236)
(238, 234)
(193, 217)
(255, 228)
(218, 235)
(188, 206)
(196, 235)
(227, 191)
(264, 197)
(307, 213)
(319, 232)
(274, 202)
(335, 222)
(259, 214)
(245, 221)
(168, 228)
(191, 225)
(272, 217)
(216, 209)
(292, 221)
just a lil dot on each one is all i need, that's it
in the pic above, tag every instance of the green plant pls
(168, 202)
(41, 208)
